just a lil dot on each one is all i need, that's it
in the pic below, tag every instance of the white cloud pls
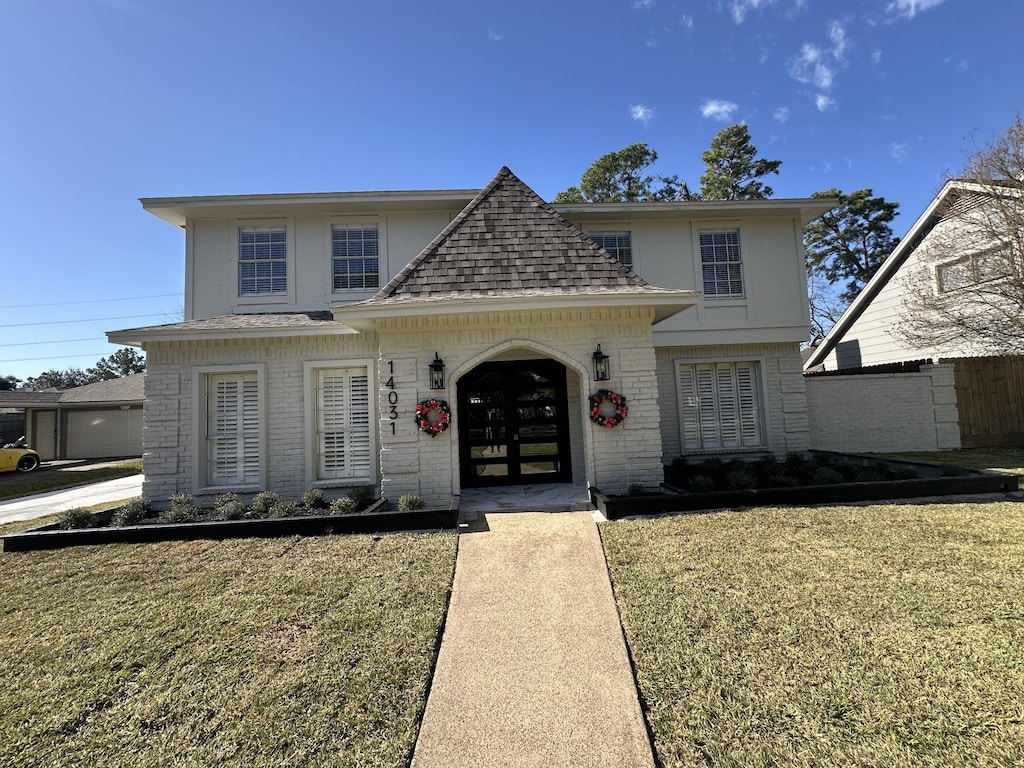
(686, 22)
(908, 9)
(876, 57)
(837, 34)
(641, 113)
(781, 114)
(824, 103)
(740, 8)
(811, 67)
(898, 151)
(645, 5)
(718, 109)
(494, 36)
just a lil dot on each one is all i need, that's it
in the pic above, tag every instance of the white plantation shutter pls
(233, 429)
(719, 406)
(343, 423)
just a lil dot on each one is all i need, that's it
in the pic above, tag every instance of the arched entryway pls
(514, 424)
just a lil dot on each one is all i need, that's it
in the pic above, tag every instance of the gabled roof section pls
(508, 242)
(955, 192)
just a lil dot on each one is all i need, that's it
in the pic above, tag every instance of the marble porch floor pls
(541, 497)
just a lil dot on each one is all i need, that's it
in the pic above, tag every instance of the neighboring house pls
(315, 324)
(101, 420)
(950, 264)
(942, 254)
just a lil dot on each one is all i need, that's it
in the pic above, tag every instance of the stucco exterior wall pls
(884, 412)
(784, 404)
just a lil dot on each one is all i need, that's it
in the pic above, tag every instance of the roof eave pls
(807, 208)
(137, 337)
(363, 317)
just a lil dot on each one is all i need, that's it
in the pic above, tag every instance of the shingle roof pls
(113, 390)
(509, 242)
(263, 320)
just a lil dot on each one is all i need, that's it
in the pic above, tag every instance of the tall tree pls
(850, 242)
(9, 382)
(125, 362)
(733, 168)
(59, 379)
(622, 177)
(966, 293)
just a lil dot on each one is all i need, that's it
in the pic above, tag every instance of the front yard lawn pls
(247, 652)
(885, 635)
(41, 481)
(997, 459)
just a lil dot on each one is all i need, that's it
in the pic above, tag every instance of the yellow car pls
(18, 456)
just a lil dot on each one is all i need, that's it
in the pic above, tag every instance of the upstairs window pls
(721, 266)
(355, 257)
(262, 261)
(972, 270)
(618, 244)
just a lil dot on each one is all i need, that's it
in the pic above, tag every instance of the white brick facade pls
(885, 412)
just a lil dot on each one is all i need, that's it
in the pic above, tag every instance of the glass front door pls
(513, 424)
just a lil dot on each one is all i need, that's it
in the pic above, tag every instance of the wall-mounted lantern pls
(437, 373)
(602, 371)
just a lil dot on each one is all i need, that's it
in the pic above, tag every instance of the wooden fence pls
(990, 399)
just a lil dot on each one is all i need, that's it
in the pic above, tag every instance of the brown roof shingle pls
(509, 242)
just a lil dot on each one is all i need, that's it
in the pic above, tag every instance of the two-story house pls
(430, 341)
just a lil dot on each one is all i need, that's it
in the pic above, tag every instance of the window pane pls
(721, 266)
(719, 406)
(354, 251)
(619, 245)
(262, 260)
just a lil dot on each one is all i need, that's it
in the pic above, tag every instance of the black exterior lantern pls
(437, 373)
(602, 371)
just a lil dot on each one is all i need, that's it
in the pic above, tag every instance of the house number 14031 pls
(389, 385)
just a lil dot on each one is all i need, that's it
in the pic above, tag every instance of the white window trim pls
(696, 230)
(288, 297)
(619, 226)
(382, 257)
(310, 369)
(762, 392)
(200, 384)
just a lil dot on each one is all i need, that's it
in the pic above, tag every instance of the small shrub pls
(284, 509)
(178, 514)
(636, 489)
(224, 499)
(75, 518)
(827, 476)
(132, 513)
(411, 502)
(231, 510)
(739, 479)
(344, 506)
(314, 499)
(363, 496)
(701, 483)
(263, 501)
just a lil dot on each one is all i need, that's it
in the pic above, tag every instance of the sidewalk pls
(533, 668)
(52, 502)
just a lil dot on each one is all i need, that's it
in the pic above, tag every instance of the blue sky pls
(107, 101)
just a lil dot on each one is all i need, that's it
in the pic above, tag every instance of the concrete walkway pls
(533, 669)
(30, 507)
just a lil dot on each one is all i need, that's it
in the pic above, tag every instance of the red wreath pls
(442, 416)
(599, 414)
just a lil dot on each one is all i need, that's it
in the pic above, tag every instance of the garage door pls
(104, 433)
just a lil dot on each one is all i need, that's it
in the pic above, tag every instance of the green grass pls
(279, 652)
(29, 485)
(843, 636)
(999, 459)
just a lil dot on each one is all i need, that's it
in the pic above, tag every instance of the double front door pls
(514, 424)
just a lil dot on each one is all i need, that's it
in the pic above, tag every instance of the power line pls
(40, 343)
(80, 320)
(91, 301)
(97, 355)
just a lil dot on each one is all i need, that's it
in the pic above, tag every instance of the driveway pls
(52, 502)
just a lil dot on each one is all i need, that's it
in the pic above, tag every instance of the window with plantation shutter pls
(719, 406)
(343, 442)
(262, 261)
(720, 263)
(232, 429)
